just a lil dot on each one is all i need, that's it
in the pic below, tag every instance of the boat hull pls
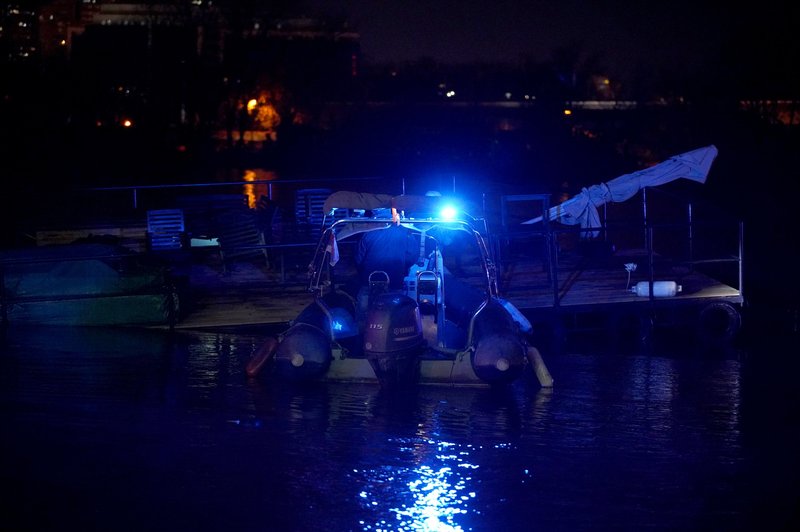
(392, 351)
(100, 311)
(429, 369)
(86, 285)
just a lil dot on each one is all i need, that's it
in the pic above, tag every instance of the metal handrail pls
(550, 233)
(134, 189)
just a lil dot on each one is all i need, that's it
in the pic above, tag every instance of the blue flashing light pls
(342, 323)
(448, 212)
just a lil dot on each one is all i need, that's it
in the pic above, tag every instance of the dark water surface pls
(146, 430)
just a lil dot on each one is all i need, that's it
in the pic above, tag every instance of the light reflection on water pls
(130, 422)
(427, 497)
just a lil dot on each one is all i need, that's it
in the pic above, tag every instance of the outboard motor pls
(500, 355)
(393, 340)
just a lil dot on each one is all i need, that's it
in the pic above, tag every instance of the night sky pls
(621, 35)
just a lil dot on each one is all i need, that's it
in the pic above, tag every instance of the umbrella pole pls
(644, 217)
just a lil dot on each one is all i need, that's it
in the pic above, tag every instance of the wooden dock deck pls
(249, 293)
(596, 296)
(584, 286)
(245, 293)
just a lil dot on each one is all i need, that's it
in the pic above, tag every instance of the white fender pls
(539, 368)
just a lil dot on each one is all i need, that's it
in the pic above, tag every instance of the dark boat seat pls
(166, 230)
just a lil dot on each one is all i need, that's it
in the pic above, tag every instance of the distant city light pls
(251, 104)
(567, 112)
(127, 122)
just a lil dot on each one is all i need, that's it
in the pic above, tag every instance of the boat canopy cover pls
(78, 269)
(345, 199)
(409, 203)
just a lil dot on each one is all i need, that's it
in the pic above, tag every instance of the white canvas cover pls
(582, 208)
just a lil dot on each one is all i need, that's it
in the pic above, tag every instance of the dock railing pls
(281, 212)
(663, 229)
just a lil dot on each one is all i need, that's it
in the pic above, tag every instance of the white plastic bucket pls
(660, 288)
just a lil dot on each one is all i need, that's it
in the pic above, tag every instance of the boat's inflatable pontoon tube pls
(500, 355)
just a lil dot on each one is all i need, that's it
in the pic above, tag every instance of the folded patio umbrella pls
(582, 208)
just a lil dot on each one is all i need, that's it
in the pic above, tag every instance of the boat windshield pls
(451, 249)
